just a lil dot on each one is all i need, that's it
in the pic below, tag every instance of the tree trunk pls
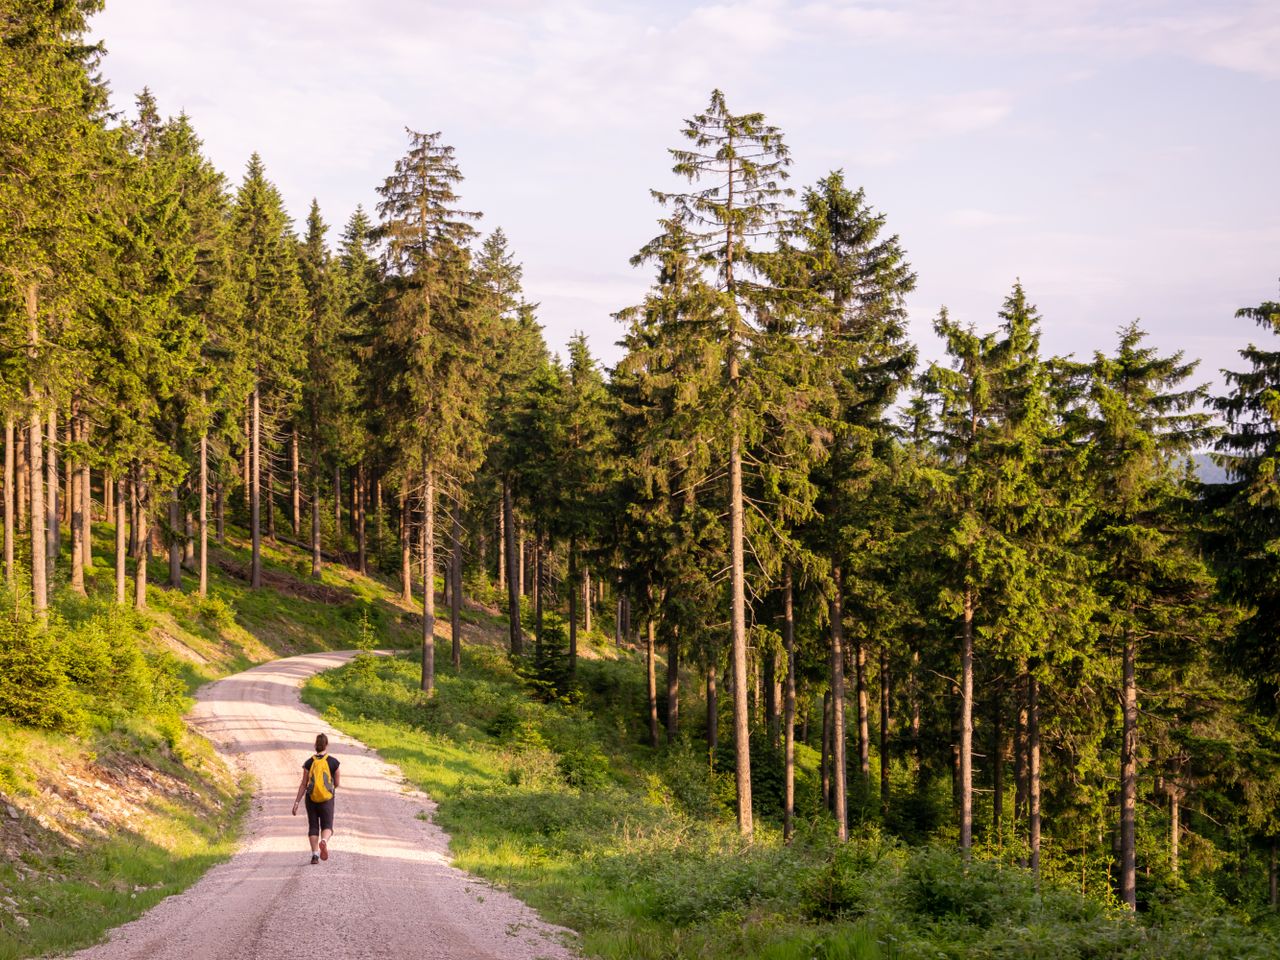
(673, 685)
(1020, 745)
(269, 504)
(175, 543)
(966, 726)
(337, 507)
(520, 558)
(651, 684)
(122, 544)
(885, 699)
(76, 504)
(864, 715)
(839, 799)
(537, 595)
(22, 485)
(772, 707)
(913, 694)
(142, 533)
(202, 560)
(22, 489)
(255, 473)
(295, 486)
(429, 584)
(513, 578)
(108, 497)
(738, 629)
(317, 556)
(502, 545)
(39, 528)
(824, 764)
(10, 498)
(586, 599)
(1175, 827)
(406, 545)
(54, 543)
(573, 606)
(69, 482)
(1129, 777)
(360, 494)
(1033, 771)
(713, 710)
(377, 523)
(1273, 879)
(997, 767)
(246, 457)
(219, 511)
(86, 508)
(455, 594)
(789, 712)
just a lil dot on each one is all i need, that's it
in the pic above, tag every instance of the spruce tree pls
(426, 236)
(270, 306)
(1248, 505)
(1138, 422)
(51, 140)
(734, 164)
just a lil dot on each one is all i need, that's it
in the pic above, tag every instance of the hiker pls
(319, 783)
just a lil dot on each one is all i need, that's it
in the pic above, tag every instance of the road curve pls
(388, 890)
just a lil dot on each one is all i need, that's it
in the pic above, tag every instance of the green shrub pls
(849, 881)
(584, 768)
(215, 612)
(34, 688)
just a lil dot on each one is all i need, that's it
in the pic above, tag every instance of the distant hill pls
(1207, 470)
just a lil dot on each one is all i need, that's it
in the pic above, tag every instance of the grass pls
(635, 849)
(71, 882)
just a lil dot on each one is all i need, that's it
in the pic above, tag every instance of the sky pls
(1120, 157)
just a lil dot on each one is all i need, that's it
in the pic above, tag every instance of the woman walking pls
(319, 784)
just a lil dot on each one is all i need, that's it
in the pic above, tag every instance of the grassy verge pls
(106, 833)
(635, 849)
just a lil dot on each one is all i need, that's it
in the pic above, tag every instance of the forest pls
(993, 593)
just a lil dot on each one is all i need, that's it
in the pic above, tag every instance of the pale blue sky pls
(1120, 157)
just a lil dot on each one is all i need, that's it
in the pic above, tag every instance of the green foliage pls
(646, 863)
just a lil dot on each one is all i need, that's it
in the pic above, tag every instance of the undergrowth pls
(558, 800)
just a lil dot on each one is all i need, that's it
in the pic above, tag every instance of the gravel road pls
(387, 890)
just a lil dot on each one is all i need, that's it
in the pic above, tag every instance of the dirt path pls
(387, 890)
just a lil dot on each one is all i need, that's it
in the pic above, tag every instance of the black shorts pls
(319, 816)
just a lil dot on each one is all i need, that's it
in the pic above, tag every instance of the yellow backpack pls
(321, 779)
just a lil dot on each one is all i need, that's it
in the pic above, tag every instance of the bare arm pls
(302, 789)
